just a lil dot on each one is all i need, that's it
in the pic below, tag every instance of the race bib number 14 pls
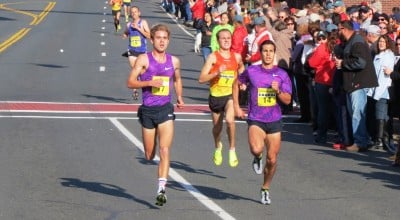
(266, 97)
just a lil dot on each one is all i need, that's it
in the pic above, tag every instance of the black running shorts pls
(151, 117)
(134, 53)
(217, 104)
(115, 12)
(269, 127)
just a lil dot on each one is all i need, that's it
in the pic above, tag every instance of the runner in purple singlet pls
(268, 85)
(159, 72)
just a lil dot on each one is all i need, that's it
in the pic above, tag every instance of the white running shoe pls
(265, 197)
(258, 165)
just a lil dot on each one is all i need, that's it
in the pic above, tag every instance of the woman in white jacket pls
(384, 59)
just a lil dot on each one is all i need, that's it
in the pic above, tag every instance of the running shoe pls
(265, 197)
(233, 160)
(218, 155)
(257, 165)
(126, 19)
(161, 198)
(119, 27)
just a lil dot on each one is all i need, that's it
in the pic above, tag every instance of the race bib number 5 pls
(266, 97)
(226, 78)
(135, 41)
(164, 89)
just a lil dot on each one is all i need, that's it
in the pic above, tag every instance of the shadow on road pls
(210, 192)
(106, 98)
(181, 166)
(103, 188)
(48, 65)
(373, 159)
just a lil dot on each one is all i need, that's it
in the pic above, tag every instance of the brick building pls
(387, 5)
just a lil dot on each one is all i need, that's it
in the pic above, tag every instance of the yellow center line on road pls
(14, 38)
(22, 32)
(43, 14)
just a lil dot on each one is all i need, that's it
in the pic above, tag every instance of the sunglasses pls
(288, 24)
(384, 28)
(382, 19)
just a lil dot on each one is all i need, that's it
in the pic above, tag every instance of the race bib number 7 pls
(266, 97)
(164, 89)
(226, 78)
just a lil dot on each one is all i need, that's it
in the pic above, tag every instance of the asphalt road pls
(84, 160)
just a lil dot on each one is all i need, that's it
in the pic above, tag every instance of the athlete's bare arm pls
(178, 82)
(205, 75)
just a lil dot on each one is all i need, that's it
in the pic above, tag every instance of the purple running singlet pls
(263, 104)
(153, 96)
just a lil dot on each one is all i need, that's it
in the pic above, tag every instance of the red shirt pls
(198, 10)
(323, 64)
(238, 45)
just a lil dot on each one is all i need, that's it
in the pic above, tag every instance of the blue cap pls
(331, 27)
(259, 21)
(238, 18)
(338, 4)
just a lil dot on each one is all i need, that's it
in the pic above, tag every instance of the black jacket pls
(394, 91)
(357, 66)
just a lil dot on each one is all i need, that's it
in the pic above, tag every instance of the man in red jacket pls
(239, 34)
(262, 34)
(198, 9)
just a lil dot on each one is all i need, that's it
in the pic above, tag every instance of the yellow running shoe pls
(119, 27)
(126, 19)
(233, 160)
(218, 155)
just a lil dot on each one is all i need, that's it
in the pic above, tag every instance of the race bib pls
(266, 97)
(164, 89)
(135, 41)
(226, 78)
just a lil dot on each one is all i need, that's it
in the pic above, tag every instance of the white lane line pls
(179, 25)
(176, 176)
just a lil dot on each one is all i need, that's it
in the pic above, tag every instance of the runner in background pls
(116, 12)
(127, 7)
(137, 31)
(220, 70)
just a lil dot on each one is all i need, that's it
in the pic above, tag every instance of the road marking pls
(43, 14)
(14, 38)
(22, 32)
(179, 25)
(95, 108)
(211, 205)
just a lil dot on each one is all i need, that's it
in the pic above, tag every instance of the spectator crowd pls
(342, 61)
